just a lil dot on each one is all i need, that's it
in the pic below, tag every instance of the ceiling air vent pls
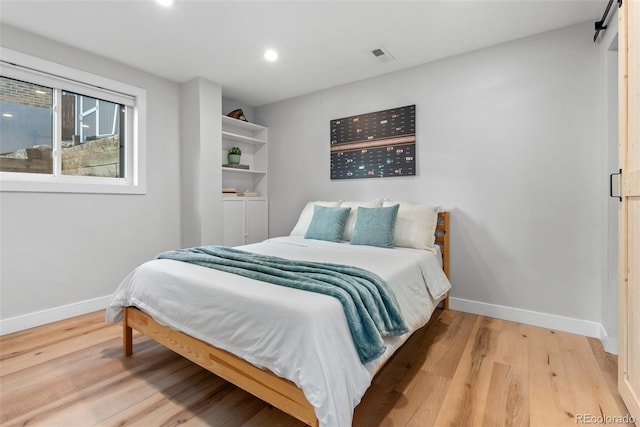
(382, 55)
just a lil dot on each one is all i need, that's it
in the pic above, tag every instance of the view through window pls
(26, 127)
(91, 131)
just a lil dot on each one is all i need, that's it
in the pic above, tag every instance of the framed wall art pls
(374, 145)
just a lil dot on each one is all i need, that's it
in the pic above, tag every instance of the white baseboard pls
(535, 318)
(610, 344)
(38, 318)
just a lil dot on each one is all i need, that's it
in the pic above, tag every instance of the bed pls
(299, 357)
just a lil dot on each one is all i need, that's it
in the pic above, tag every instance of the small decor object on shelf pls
(229, 192)
(234, 155)
(238, 114)
(248, 194)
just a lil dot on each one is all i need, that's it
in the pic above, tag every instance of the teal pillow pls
(375, 226)
(327, 223)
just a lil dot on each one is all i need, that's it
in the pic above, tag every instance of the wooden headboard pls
(442, 239)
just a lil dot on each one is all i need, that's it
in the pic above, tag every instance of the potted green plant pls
(234, 155)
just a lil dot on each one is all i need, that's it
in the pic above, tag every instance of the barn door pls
(629, 235)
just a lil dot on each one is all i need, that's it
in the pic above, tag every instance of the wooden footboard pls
(277, 391)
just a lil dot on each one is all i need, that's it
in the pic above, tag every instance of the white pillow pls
(351, 221)
(305, 217)
(415, 225)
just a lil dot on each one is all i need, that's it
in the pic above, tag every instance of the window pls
(92, 141)
(26, 127)
(64, 130)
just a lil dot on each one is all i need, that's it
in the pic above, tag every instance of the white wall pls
(65, 249)
(608, 47)
(507, 140)
(201, 157)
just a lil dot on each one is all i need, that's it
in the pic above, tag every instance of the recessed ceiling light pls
(165, 3)
(7, 115)
(40, 92)
(270, 55)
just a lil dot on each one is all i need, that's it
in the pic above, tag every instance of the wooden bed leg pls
(127, 335)
(446, 303)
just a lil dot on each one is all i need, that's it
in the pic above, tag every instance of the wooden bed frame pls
(277, 391)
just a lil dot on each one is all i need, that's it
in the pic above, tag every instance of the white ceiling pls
(321, 43)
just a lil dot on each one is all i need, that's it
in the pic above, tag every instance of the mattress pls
(298, 335)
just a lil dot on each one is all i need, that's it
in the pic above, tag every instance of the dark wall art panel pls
(374, 145)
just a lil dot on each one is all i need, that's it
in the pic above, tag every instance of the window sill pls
(49, 184)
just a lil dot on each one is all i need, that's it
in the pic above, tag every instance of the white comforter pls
(299, 335)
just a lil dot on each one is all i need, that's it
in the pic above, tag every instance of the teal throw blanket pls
(370, 307)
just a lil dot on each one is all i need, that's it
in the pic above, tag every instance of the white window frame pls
(18, 65)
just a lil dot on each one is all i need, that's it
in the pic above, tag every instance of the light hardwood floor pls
(461, 370)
